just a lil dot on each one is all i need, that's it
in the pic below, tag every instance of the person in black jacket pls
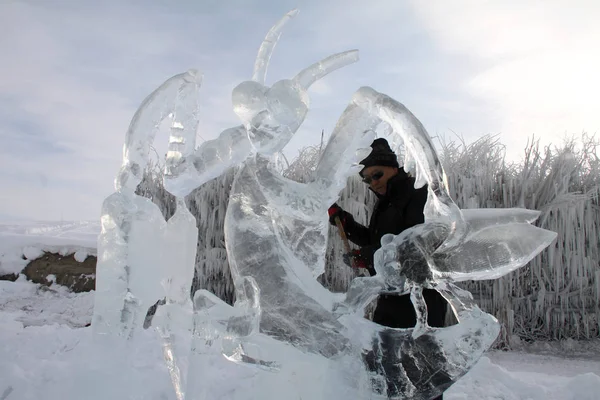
(399, 207)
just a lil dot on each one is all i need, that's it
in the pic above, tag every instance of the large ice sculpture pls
(136, 244)
(285, 324)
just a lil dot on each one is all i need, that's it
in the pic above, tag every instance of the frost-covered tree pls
(208, 204)
(557, 295)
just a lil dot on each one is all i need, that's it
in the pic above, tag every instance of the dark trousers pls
(398, 312)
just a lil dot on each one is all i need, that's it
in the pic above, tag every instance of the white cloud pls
(537, 64)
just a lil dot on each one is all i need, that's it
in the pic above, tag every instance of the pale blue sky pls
(73, 72)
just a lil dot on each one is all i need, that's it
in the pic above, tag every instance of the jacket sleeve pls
(368, 252)
(357, 233)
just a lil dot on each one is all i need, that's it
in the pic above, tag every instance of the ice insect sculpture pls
(275, 235)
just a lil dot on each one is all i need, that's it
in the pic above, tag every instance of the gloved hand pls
(337, 211)
(360, 260)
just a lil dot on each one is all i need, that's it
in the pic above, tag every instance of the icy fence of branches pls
(208, 204)
(556, 296)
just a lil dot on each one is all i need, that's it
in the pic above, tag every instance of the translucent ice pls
(284, 324)
(130, 246)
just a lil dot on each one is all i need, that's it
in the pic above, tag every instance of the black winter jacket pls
(399, 209)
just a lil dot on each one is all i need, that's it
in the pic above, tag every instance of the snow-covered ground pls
(40, 328)
(21, 242)
(44, 342)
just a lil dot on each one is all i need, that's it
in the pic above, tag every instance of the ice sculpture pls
(284, 322)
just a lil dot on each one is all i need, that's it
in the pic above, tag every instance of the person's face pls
(378, 176)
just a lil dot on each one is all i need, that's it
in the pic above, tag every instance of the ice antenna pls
(318, 70)
(266, 48)
(169, 98)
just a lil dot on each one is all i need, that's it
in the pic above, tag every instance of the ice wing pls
(493, 251)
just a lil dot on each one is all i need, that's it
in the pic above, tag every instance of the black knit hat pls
(381, 154)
